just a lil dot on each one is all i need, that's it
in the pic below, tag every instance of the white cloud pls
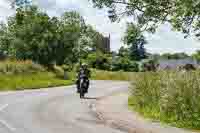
(166, 40)
(5, 10)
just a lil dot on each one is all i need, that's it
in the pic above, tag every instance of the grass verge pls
(31, 81)
(20, 75)
(169, 97)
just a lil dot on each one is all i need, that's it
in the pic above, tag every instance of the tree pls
(150, 65)
(124, 64)
(20, 3)
(135, 39)
(196, 55)
(123, 52)
(85, 45)
(123, 61)
(32, 34)
(71, 29)
(99, 60)
(95, 37)
(149, 14)
(4, 39)
(174, 56)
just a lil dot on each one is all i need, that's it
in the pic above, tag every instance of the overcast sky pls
(165, 40)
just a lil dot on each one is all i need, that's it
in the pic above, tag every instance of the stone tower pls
(106, 44)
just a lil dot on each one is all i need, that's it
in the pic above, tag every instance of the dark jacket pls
(84, 71)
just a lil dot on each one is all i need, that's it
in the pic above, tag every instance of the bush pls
(125, 64)
(171, 97)
(59, 72)
(134, 67)
(150, 65)
(189, 67)
(99, 61)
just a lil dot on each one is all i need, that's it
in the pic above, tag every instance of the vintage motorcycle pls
(82, 85)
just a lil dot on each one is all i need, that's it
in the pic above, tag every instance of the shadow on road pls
(91, 98)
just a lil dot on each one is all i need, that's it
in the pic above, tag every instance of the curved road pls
(55, 110)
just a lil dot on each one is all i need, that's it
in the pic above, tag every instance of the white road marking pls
(3, 107)
(4, 123)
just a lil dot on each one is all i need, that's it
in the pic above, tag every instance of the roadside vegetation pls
(20, 75)
(31, 81)
(108, 75)
(168, 96)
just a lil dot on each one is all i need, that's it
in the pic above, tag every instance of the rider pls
(83, 70)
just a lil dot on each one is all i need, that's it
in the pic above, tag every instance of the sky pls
(164, 40)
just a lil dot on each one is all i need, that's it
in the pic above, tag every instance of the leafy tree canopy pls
(197, 55)
(136, 41)
(174, 56)
(184, 15)
(32, 34)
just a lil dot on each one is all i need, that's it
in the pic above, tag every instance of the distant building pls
(106, 44)
(176, 64)
(102, 44)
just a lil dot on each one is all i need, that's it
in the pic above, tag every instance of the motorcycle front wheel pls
(82, 95)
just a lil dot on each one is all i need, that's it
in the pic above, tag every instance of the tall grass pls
(20, 75)
(107, 75)
(18, 67)
(171, 97)
(31, 81)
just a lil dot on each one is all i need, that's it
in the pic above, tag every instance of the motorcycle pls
(83, 85)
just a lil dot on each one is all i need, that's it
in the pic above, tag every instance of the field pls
(171, 97)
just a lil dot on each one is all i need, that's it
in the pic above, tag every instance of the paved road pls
(55, 110)
(113, 111)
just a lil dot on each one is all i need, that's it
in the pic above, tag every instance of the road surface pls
(55, 110)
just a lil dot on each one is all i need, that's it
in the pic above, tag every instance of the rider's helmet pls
(84, 66)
